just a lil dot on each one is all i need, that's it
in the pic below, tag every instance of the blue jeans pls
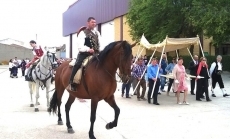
(163, 79)
(127, 87)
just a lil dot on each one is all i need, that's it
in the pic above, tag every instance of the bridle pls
(52, 61)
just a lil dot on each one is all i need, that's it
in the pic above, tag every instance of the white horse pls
(41, 76)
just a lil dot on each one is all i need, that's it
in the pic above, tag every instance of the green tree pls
(158, 18)
(213, 16)
(179, 18)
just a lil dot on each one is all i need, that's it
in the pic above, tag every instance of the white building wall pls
(74, 46)
(107, 32)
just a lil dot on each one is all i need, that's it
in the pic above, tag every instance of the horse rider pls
(89, 43)
(38, 53)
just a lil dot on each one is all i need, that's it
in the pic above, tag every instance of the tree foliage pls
(179, 18)
(213, 16)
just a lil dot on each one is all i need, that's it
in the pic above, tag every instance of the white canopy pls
(171, 44)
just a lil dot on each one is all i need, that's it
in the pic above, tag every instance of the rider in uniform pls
(38, 53)
(89, 43)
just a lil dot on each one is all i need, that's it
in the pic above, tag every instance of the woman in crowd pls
(23, 67)
(202, 83)
(179, 81)
(10, 67)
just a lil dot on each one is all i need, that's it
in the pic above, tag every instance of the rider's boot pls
(73, 86)
(27, 78)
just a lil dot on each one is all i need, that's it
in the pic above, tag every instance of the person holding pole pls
(169, 69)
(193, 68)
(137, 72)
(179, 81)
(215, 72)
(163, 66)
(152, 70)
(202, 83)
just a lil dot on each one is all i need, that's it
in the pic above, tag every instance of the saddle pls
(78, 75)
(32, 66)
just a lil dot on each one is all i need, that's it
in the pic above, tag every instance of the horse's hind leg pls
(112, 103)
(67, 108)
(94, 103)
(59, 96)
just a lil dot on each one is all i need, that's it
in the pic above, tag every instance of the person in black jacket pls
(193, 68)
(202, 83)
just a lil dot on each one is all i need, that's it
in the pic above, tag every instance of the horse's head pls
(50, 57)
(125, 60)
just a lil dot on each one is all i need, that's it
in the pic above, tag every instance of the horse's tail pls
(53, 103)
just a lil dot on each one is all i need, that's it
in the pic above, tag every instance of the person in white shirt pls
(215, 72)
(89, 43)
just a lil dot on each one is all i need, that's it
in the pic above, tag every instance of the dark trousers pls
(202, 87)
(155, 92)
(141, 84)
(23, 72)
(217, 79)
(125, 88)
(170, 84)
(192, 82)
(10, 69)
(78, 63)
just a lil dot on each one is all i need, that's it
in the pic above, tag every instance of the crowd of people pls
(155, 76)
(15, 64)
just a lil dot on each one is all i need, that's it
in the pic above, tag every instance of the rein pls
(107, 70)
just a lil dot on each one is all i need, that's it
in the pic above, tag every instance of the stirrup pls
(70, 88)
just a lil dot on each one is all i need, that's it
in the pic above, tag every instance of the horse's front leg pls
(112, 103)
(31, 94)
(37, 96)
(94, 102)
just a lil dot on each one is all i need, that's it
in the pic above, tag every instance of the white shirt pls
(214, 65)
(37, 47)
(81, 41)
(10, 64)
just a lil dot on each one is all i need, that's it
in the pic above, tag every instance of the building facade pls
(8, 52)
(111, 20)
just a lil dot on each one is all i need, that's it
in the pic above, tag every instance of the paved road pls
(138, 120)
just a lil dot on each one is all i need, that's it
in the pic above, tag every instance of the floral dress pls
(180, 75)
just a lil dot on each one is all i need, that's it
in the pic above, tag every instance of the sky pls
(23, 19)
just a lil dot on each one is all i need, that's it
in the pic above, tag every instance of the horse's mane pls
(102, 55)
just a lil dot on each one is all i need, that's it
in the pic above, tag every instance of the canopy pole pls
(200, 46)
(145, 70)
(158, 67)
(190, 54)
(177, 54)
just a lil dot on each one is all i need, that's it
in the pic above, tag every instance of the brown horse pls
(98, 82)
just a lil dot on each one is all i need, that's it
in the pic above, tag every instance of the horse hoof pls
(31, 105)
(61, 123)
(48, 110)
(36, 110)
(70, 130)
(107, 126)
(92, 137)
